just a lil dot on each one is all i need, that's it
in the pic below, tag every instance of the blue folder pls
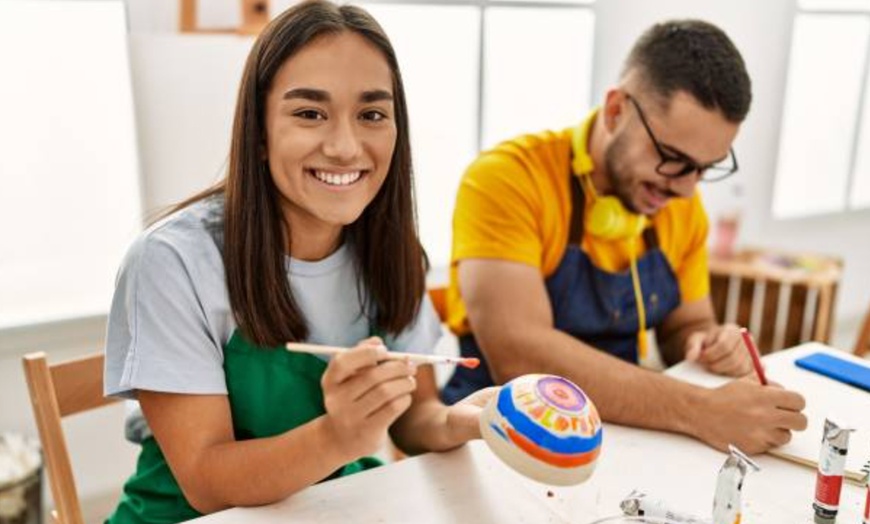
(837, 368)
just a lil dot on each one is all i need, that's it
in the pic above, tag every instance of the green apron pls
(270, 392)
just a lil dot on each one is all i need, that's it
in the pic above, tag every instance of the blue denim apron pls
(592, 305)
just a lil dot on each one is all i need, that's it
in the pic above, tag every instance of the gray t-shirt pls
(171, 315)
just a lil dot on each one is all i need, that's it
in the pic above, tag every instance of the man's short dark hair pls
(696, 57)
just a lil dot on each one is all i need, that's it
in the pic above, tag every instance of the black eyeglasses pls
(676, 166)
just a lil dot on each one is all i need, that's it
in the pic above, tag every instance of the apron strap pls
(578, 205)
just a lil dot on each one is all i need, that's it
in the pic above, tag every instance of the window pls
(475, 75)
(67, 133)
(478, 72)
(824, 153)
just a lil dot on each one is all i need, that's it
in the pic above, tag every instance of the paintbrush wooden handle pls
(317, 349)
(314, 349)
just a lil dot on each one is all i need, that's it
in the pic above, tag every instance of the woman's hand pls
(364, 395)
(429, 425)
(463, 418)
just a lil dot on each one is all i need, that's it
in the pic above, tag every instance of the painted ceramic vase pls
(544, 427)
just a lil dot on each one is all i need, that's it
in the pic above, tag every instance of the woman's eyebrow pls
(319, 95)
(376, 95)
(307, 93)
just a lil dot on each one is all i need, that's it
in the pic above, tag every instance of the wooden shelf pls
(255, 16)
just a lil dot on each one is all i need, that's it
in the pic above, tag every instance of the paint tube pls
(638, 504)
(726, 501)
(866, 471)
(867, 503)
(829, 478)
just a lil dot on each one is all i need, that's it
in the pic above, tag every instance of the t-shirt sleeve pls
(422, 335)
(693, 273)
(497, 212)
(158, 336)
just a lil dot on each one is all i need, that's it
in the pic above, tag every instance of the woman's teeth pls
(338, 179)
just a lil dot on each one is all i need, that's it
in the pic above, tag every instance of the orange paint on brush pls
(469, 362)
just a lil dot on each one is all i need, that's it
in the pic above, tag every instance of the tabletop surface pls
(470, 484)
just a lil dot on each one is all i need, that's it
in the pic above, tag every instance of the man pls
(557, 235)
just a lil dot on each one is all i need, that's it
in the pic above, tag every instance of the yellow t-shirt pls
(514, 203)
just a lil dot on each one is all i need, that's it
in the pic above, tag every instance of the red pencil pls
(753, 352)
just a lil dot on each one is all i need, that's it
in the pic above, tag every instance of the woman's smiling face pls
(330, 130)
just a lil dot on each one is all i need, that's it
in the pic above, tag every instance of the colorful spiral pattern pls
(545, 427)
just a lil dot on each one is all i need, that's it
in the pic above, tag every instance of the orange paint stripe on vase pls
(553, 459)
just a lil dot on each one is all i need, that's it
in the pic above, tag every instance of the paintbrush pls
(316, 349)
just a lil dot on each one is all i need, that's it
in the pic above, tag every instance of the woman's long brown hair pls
(389, 258)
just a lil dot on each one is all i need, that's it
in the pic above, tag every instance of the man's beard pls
(620, 181)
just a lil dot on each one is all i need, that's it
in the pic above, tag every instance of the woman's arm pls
(215, 471)
(429, 425)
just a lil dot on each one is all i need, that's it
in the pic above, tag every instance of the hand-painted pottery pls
(544, 427)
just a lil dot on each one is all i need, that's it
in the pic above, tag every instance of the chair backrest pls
(862, 345)
(438, 296)
(57, 391)
(784, 299)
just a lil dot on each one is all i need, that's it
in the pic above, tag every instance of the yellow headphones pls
(609, 220)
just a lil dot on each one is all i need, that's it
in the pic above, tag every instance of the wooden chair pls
(255, 16)
(57, 391)
(862, 345)
(784, 299)
(438, 296)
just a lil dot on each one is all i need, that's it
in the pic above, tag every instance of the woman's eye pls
(310, 114)
(374, 116)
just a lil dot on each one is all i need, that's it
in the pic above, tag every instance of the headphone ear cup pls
(608, 219)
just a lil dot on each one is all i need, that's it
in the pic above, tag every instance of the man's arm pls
(674, 332)
(691, 332)
(510, 314)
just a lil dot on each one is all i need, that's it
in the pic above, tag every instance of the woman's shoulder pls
(188, 241)
(192, 231)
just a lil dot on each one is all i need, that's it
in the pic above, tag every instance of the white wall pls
(185, 89)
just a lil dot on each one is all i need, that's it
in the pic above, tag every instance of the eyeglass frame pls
(690, 165)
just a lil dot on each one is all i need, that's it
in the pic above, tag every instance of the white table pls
(471, 485)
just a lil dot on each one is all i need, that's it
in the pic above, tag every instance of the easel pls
(255, 16)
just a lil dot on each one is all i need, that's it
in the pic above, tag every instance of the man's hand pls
(720, 349)
(754, 418)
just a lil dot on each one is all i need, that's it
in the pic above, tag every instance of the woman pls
(311, 236)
